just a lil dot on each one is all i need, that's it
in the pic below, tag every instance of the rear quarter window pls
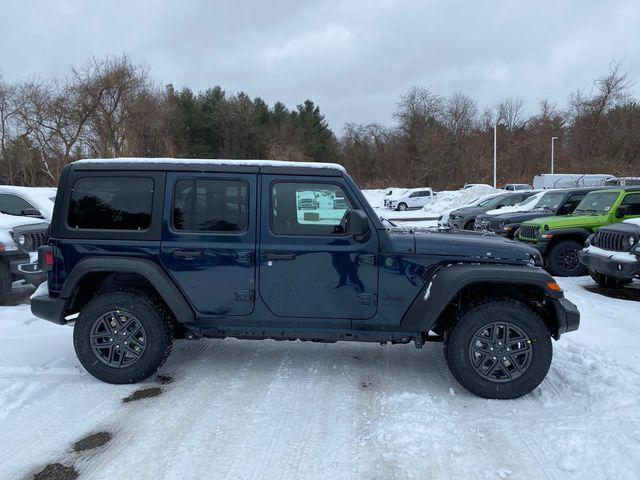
(111, 203)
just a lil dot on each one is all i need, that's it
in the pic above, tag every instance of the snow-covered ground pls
(292, 410)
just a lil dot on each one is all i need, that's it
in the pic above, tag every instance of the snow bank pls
(448, 200)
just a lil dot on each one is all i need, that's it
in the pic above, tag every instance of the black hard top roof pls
(211, 165)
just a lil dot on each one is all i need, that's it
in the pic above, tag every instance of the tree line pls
(111, 107)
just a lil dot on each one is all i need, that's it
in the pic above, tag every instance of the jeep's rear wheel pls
(562, 259)
(499, 349)
(607, 281)
(122, 337)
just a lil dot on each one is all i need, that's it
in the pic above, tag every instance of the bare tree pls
(460, 114)
(510, 113)
(9, 110)
(111, 86)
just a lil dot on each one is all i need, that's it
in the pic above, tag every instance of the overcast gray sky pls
(354, 58)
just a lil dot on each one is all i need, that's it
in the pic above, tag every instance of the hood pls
(516, 217)
(468, 211)
(9, 222)
(570, 221)
(473, 246)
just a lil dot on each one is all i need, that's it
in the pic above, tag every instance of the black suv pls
(553, 202)
(149, 251)
(464, 218)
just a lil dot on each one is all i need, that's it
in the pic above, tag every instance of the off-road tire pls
(148, 312)
(402, 206)
(458, 348)
(557, 263)
(607, 281)
(5, 282)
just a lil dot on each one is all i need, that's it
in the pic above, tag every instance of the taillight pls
(46, 258)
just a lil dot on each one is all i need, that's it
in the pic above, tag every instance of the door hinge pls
(368, 299)
(367, 259)
(244, 296)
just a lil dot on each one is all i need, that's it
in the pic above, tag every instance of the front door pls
(209, 240)
(308, 266)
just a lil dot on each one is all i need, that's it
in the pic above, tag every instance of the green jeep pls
(559, 239)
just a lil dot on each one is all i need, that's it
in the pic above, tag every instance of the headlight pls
(21, 239)
(536, 232)
(632, 241)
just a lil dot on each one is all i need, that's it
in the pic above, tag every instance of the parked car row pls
(25, 214)
(558, 223)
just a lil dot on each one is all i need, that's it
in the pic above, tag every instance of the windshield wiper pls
(592, 211)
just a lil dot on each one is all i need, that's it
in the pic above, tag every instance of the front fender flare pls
(442, 287)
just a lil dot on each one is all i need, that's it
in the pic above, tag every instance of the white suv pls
(414, 198)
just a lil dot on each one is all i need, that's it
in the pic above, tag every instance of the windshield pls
(529, 200)
(596, 202)
(550, 201)
(491, 202)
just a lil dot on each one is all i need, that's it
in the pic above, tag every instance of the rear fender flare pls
(154, 274)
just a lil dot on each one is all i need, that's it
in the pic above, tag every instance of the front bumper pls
(540, 245)
(24, 269)
(617, 266)
(567, 315)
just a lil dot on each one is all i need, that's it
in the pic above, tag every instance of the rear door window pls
(205, 205)
(111, 203)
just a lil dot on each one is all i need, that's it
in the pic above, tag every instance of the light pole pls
(495, 154)
(553, 139)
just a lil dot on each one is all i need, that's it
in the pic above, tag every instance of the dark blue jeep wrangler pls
(142, 252)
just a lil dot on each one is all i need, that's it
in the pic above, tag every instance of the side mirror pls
(31, 212)
(356, 223)
(566, 209)
(623, 211)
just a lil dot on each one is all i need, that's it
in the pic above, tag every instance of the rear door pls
(209, 239)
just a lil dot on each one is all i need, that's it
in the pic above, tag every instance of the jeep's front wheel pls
(562, 259)
(402, 206)
(122, 337)
(499, 349)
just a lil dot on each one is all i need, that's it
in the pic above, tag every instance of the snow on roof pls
(212, 161)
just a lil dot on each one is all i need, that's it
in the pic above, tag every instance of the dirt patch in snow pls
(165, 380)
(56, 471)
(625, 293)
(94, 440)
(143, 393)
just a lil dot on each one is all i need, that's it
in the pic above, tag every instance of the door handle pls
(280, 255)
(187, 253)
